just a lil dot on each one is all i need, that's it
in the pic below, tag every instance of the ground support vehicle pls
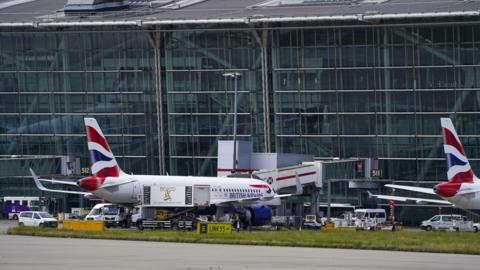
(169, 207)
(369, 219)
(449, 222)
(153, 218)
(36, 219)
(111, 214)
(287, 221)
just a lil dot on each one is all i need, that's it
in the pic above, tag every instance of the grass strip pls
(418, 241)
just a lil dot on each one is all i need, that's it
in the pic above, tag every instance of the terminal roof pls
(158, 12)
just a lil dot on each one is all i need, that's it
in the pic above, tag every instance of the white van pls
(37, 219)
(447, 222)
(369, 219)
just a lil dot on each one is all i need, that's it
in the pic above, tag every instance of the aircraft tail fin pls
(458, 167)
(102, 161)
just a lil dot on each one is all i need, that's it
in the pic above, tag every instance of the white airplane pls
(462, 189)
(110, 183)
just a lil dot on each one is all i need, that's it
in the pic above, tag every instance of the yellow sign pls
(85, 170)
(376, 173)
(214, 228)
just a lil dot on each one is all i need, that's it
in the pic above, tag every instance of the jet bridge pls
(309, 173)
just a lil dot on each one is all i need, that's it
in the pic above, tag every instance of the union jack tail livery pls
(102, 160)
(458, 167)
(462, 187)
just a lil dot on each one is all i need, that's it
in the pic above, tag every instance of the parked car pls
(37, 219)
(448, 222)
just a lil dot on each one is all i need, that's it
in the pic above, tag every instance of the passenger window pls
(36, 216)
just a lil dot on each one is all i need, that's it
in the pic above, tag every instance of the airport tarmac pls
(25, 252)
(5, 224)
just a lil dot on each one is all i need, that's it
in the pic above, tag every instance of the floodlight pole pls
(234, 75)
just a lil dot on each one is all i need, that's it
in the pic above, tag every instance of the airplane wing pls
(53, 181)
(405, 199)
(42, 187)
(411, 188)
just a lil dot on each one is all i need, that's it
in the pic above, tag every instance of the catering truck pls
(169, 207)
(158, 195)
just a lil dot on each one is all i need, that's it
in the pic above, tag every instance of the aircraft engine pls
(257, 215)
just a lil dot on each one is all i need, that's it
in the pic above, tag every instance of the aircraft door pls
(137, 191)
(201, 195)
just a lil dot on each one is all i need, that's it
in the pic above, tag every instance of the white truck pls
(157, 200)
(449, 222)
(111, 214)
(369, 219)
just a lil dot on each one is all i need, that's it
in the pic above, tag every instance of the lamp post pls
(234, 75)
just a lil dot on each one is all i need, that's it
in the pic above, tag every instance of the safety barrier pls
(84, 225)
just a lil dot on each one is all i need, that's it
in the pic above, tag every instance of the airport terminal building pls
(329, 78)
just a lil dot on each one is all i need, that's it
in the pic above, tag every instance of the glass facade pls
(50, 80)
(347, 91)
(200, 99)
(377, 92)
